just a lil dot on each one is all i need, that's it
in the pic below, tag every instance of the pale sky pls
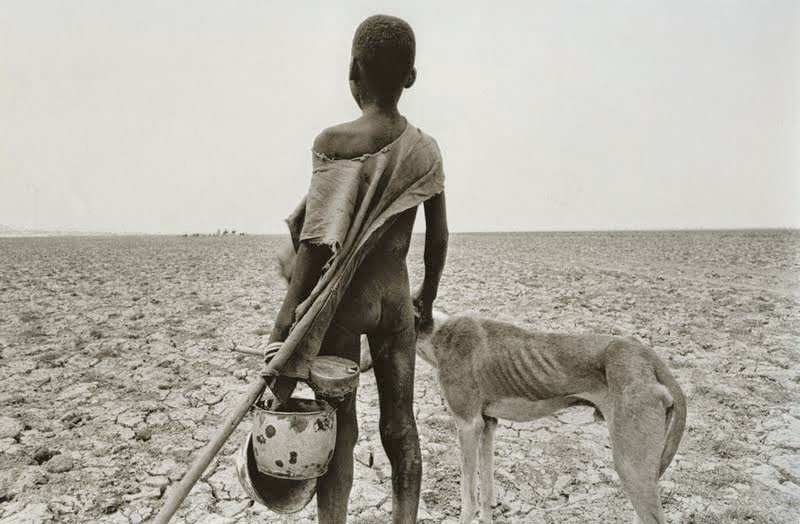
(191, 116)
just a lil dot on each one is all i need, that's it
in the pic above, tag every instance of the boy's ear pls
(354, 70)
(412, 77)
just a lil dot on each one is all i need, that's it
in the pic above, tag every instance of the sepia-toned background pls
(175, 121)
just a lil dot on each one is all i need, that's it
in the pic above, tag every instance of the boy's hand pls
(282, 387)
(423, 310)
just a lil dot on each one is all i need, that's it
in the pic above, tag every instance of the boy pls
(352, 234)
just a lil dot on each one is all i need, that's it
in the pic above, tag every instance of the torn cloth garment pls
(349, 205)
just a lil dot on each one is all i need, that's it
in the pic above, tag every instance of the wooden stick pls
(182, 488)
(249, 351)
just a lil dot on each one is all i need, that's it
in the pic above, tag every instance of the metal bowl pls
(279, 495)
(294, 440)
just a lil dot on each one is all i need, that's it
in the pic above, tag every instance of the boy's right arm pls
(436, 238)
(308, 266)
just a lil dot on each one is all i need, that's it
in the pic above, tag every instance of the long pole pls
(207, 454)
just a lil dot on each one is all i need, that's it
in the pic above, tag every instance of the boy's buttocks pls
(379, 297)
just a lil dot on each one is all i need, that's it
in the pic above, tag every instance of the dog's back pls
(501, 359)
(489, 369)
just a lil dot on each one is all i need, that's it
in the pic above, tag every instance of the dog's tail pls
(676, 421)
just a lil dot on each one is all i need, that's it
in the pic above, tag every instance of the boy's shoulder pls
(340, 141)
(354, 139)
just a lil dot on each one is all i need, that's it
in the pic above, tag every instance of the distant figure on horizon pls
(351, 235)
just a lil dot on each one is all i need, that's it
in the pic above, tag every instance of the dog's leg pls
(637, 440)
(469, 437)
(637, 426)
(486, 468)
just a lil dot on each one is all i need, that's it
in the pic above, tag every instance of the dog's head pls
(425, 348)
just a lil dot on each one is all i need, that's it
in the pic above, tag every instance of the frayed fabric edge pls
(362, 158)
(333, 245)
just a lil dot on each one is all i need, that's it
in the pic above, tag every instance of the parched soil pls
(116, 366)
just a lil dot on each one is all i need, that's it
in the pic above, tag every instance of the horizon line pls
(21, 233)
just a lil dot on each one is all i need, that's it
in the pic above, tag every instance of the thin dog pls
(490, 370)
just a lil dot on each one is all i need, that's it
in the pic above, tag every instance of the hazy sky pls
(190, 116)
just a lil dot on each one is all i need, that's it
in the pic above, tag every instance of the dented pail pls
(294, 440)
(279, 495)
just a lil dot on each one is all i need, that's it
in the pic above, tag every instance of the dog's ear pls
(286, 258)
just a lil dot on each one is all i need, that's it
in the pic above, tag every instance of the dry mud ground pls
(115, 367)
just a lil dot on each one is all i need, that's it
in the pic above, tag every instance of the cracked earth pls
(116, 366)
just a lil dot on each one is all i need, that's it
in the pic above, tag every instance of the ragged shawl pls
(349, 205)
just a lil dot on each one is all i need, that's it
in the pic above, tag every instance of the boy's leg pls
(393, 359)
(333, 488)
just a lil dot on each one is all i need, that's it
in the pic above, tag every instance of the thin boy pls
(356, 221)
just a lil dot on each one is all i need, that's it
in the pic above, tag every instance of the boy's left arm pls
(436, 239)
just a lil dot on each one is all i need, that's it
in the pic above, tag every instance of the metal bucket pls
(296, 440)
(279, 495)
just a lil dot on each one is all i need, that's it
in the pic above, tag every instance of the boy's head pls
(382, 59)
